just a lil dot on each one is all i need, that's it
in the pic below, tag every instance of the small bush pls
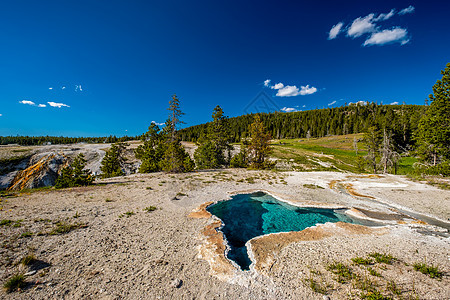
(6, 222)
(63, 227)
(432, 271)
(373, 272)
(362, 261)
(315, 286)
(28, 260)
(15, 282)
(382, 257)
(343, 272)
(150, 208)
(26, 234)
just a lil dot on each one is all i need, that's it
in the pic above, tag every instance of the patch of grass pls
(42, 220)
(28, 260)
(315, 286)
(250, 180)
(362, 261)
(26, 234)
(76, 215)
(312, 186)
(432, 271)
(18, 223)
(343, 272)
(181, 195)
(15, 282)
(6, 222)
(373, 272)
(64, 227)
(108, 200)
(375, 295)
(128, 214)
(382, 258)
(150, 208)
(393, 288)
(149, 188)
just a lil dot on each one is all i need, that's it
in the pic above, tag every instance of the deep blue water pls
(246, 216)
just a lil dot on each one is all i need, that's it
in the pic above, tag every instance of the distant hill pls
(401, 120)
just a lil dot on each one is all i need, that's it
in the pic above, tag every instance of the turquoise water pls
(246, 216)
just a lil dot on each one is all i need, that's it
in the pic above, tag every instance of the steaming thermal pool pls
(246, 216)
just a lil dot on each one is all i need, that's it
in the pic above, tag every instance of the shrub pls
(15, 282)
(432, 271)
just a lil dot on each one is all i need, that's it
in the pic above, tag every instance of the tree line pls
(44, 140)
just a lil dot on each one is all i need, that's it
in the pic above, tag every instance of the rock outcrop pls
(41, 173)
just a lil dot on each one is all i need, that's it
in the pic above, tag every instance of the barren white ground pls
(154, 255)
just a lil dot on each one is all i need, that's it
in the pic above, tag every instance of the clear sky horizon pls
(100, 68)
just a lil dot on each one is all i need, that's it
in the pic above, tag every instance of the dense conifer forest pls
(44, 140)
(401, 120)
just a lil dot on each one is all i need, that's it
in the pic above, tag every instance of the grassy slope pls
(336, 152)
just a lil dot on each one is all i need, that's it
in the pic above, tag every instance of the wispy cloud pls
(332, 102)
(384, 17)
(42, 105)
(266, 82)
(78, 88)
(58, 105)
(1, 115)
(410, 9)
(395, 35)
(394, 103)
(335, 30)
(27, 102)
(369, 26)
(292, 90)
(50, 88)
(361, 25)
(159, 124)
(63, 87)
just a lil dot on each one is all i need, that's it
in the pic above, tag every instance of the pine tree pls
(372, 141)
(113, 164)
(152, 150)
(175, 158)
(433, 133)
(211, 152)
(259, 146)
(74, 174)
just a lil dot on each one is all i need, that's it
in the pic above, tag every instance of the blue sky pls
(95, 68)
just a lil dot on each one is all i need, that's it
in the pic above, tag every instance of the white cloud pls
(361, 26)
(42, 105)
(63, 87)
(331, 103)
(292, 90)
(277, 86)
(408, 10)
(334, 31)
(388, 36)
(288, 91)
(1, 115)
(306, 90)
(394, 103)
(78, 88)
(50, 88)
(288, 109)
(304, 106)
(266, 82)
(58, 105)
(27, 102)
(384, 17)
(159, 124)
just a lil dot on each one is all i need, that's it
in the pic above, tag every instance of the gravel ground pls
(109, 254)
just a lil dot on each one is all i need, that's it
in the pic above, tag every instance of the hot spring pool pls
(246, 216)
